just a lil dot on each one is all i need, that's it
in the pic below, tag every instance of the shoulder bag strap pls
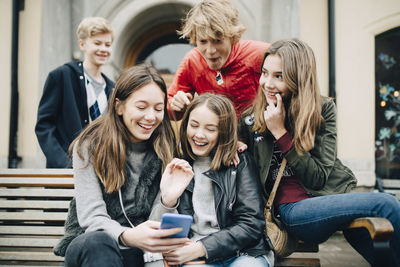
(276, 184)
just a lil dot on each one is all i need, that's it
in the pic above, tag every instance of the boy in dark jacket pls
(75, 93)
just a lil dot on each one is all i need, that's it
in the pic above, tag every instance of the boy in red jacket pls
(220, 63)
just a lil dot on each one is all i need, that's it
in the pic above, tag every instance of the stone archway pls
(139, 24)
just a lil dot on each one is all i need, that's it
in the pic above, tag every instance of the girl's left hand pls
(190, 251)
(240, 148)
(175, 179)
(274, 117)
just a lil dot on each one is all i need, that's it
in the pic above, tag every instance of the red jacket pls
(240, 74)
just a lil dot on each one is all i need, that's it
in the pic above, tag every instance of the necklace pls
(219, 78)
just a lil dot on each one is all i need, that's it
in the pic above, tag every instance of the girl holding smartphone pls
(118, 162)
(224, 200)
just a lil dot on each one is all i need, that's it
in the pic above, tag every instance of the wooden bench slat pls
(36, 173)
(35, 204)
(309, 262)
(29, 256)
(19, 265)
(378, 228)
(391, 183)
(32, 230)
(41, 265)
(28, 242)
(37, 182)
(33, 216)
(36, 192)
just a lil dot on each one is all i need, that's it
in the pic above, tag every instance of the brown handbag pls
(284, 244)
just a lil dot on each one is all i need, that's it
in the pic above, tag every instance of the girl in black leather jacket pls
(224, 200)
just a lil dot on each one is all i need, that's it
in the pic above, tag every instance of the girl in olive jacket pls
(290, 119)
(224, 200)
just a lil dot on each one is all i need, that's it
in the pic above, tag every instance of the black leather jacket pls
(239, 209)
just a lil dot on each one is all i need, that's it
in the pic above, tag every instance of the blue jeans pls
(238, 261)
(99, 249)
(315, 219)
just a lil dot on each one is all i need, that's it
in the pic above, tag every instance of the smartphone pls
(173, 220)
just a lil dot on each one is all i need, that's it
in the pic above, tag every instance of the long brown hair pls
(304, 108)
(225, 148)
(107, 136)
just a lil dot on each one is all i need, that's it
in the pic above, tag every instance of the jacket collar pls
(77, 66)
(232, 56)
(212, 174)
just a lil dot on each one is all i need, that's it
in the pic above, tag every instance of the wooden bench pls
(33, 208)
(380, 230)
(34, 205)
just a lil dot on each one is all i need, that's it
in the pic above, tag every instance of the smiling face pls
(142, 112)
(97, 49)
(271, 80)
(214, 51)
(202, 130)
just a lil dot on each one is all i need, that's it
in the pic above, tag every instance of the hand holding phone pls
(172, 220)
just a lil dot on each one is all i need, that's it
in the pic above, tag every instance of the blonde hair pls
(304, 108)
(225, 148)
(212, 18)
(92, 26)
(108, 136)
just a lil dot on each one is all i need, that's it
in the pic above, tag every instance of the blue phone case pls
(172, 220)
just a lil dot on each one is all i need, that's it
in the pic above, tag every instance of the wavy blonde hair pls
(91, 26)
(225, 148)
(304, 107)
(212, 18)
(107, 137)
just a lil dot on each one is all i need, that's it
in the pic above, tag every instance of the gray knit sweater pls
(93, 210)
(205, 217)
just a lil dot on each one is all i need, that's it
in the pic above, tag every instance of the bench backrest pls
(33, 207)
(391, 186)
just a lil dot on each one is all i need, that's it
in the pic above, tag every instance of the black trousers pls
(99, 249)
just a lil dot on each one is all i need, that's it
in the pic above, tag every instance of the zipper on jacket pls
(233, 191)
(220, 198)
(219, 202)
(219, 78)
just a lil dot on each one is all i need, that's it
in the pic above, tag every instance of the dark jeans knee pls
(93, 249)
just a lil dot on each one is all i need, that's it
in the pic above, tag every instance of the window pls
(387, 104)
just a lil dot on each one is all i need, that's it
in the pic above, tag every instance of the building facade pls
(350, 28)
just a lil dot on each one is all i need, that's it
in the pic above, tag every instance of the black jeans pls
(99, 249)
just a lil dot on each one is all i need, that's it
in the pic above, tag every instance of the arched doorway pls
(146, 31)
(160, 46)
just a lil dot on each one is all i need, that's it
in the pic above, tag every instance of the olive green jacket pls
(319, 170)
